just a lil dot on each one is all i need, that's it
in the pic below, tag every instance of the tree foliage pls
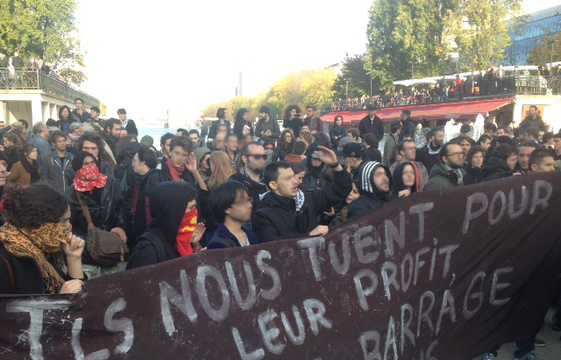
(405, 39)
(479, 28)
(302, 88)
(46, 28)
(547, 49)
(354, 71)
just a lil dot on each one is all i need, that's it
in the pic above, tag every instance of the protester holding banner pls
(286, 211)
(36, 243)
(170, 204)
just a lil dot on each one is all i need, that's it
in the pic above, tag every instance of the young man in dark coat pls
(128, 124)
(286, 212)
(231, 206)
(371, 124)
(501, 164)
(428, 154)
(408, 128)
(374, 184)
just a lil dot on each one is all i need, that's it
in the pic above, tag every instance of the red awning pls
(457, 110)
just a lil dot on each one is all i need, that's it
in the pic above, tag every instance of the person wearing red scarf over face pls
(171, 205)
(101, 194)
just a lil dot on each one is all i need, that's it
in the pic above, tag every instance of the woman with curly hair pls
(292, 119)
(37, 242)
(26, 170)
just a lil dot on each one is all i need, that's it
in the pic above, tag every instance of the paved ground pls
(551, 351)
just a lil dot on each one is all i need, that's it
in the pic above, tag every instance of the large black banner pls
(442, 275)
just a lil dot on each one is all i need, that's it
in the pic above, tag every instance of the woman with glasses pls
(26, 170)
(231, 205)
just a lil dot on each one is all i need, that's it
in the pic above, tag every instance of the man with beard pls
(525, 150)
(533, 120)
(449, 172)
(374, 184)
(253, 159)
(429, 154)
(266, 127)
(112, 133)
(286, 212)
(147, 177)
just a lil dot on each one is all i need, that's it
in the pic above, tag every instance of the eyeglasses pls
(245, 201)
(455, 154)
(258, 156)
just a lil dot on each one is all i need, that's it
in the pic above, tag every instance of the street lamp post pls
(346, 88)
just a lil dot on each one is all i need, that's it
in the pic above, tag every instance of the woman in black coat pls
(474, 165)
(169, 201)
(403, 180)
(242, 126)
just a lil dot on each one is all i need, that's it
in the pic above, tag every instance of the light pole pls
(370, 73)
(346, 88)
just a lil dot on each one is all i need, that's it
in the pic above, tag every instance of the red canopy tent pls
(459, 110)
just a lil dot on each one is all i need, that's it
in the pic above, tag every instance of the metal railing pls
(38, 80)
(469, 90)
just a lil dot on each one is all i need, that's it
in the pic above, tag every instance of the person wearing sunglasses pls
(253, 160)
(449, 172)
(231, 205)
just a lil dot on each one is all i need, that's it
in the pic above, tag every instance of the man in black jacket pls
(533, 120)
(128, 124)
(374, 184)
(111, 133)
(286, 212)
(428, 154)
(408, 127)
(372, 124)
(80, 114)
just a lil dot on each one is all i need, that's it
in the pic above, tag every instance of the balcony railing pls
(444, 92)
(38, 80)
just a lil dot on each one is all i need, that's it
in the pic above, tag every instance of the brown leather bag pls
(106, 248)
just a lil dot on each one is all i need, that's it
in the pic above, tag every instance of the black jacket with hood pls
(280, 217)
(159, 243)
(398, 184)
(495, 169)
(370, 196)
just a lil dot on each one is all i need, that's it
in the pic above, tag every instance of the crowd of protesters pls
(494, 81)
(232, 185)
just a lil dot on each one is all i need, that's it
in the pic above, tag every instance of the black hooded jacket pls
(168, 203)
(277, 217)
(139, 214)
(398, 184)
(255, 188)
(495, 169)
(370, 196)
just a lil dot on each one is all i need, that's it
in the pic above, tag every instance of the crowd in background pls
(73, 184)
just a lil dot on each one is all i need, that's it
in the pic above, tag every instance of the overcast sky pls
(184, 55)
